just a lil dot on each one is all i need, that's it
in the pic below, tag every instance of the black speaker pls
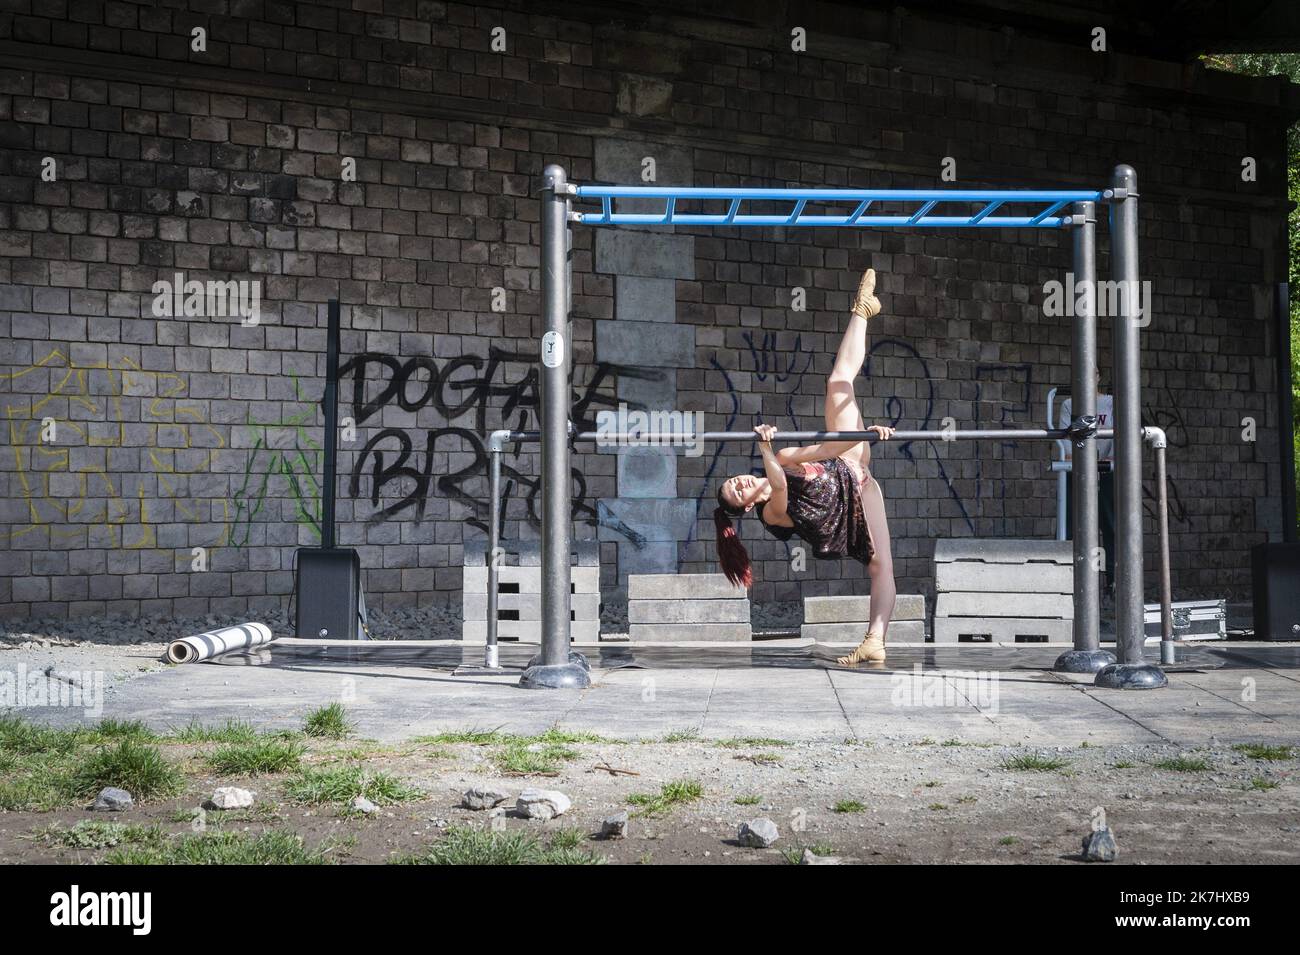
(1275, 569)
(329, 604)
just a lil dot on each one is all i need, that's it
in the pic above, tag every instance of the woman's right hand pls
(765, 433)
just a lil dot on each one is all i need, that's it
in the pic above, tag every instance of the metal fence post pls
(1087, 655)
(1131, 672)
(555, 667)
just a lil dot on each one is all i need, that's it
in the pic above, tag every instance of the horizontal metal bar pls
(832, 195)
(1003, 434)
(929, 221)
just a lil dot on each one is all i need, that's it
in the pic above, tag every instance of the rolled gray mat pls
(204, 646)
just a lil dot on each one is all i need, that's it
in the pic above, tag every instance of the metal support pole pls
(1131, 672)
(330, 403)
(491, 657)
(1156, 438)
(555, 667)
(1087, 655)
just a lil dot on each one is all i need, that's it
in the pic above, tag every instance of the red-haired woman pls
(823, 493)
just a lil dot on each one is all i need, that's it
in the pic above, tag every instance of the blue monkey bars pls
(1048, 203)
(555, 666)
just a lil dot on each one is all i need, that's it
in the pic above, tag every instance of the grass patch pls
(849, 805)
(93, 834)
(749, 800)
(760, 759)
(680, 736)
(965, 800)
(1034, 763)
(223, 848)
(745, 742)
(1182, 764)
(138, 768)
(1260, 784)
(232, 731)
(1124, 764)
(258, 757)
(328, 722)
(124, 729)
(1273, 754)
(20, 738)
(1008, 841)
(342, 784)
(532, 759)
(474, 737)
(676, 793)
(794, 854)
(936, 807)
(464, 846)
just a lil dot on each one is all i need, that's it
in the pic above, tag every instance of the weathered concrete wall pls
(180, 433)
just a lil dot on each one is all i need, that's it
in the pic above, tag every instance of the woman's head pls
(736, 495)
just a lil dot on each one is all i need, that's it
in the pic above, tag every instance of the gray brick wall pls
(183, 433)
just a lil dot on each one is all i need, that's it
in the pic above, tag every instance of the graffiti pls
(98, 397)
(297, 465)
(398, 463)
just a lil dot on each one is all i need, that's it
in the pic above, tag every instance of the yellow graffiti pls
(93, 498)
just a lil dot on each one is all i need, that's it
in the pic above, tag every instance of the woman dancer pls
(823, 493)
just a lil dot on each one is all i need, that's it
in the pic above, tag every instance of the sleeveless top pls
(823, 502)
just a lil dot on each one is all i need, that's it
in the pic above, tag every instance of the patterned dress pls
(823, 502)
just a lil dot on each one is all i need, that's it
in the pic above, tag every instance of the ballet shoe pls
(865, 303)
(870, 650)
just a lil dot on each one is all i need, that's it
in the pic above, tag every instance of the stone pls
(542, 804)
(1099, 846)
(483, 797)
(112, 799)
(231, 797)
(759, 833)
(363, 805)
(614, 827)
(645, 344)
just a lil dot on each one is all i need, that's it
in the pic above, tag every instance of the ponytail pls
(731, 552)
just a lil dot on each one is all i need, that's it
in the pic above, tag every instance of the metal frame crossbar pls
(556, 666)
(1049, 203)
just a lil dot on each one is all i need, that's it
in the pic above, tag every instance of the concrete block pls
(1004, 578)
(646, 344)
(657, 255)
(1060, 606)
(622, 161)
(1001, 629)
(857, 609)
(585, 607)
(651, 557)
(684, 632)
(900, 631)
(683, 586)
(583, 553)
(641, 299)
(656, 391)
(647, 472)
(654, 519)
(688, 611)
(529, 631)
(586, 580)
(999, 550)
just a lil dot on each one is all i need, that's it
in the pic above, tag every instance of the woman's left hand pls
(885, 432)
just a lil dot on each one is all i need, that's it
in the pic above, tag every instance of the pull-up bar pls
(1049, 203)
(851, 208)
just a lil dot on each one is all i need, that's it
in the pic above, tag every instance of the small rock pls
(1099, 846)
(758, 833)
(614, 827)
(231, 797)
(481, 797)
(542, 804)
(112, 799)
(811, 858)
(364, 805)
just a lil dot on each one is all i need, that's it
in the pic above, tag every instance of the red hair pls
(731, 552)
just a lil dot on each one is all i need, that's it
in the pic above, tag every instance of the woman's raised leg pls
(842, 411)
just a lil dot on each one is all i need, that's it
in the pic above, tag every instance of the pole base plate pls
(1131, 676)
(563, 676)
(1083, 661)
